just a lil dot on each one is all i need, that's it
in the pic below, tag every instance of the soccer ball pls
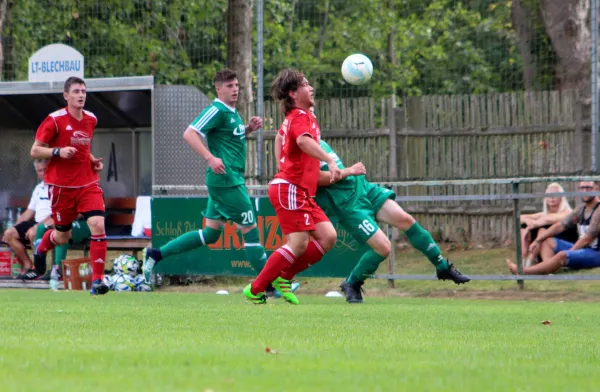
(132, 265)
(109, 281)
(124, 283)
(126, 264)
(357, 69)
(143, 287)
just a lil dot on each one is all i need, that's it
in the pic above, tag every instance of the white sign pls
(55, 63)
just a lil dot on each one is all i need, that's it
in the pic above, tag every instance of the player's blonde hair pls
(564, 203)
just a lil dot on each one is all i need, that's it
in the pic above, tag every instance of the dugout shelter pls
(139, 133)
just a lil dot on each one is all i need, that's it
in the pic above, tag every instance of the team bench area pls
(120, 214)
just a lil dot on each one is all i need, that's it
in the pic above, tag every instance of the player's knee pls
(210, 235)
(96, 224)
(403, 220)
(61, 237)
(328, 241)
(10, 235)
(383, 247)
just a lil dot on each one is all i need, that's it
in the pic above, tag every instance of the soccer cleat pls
(353, 291)
(148, 263)
(99, 287)
(258, 299)
(284, 287)
(452, 274)
(271, 292)
(30, 274)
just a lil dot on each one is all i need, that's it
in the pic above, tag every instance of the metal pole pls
(517, 220)
(594, 84)
(260, 99)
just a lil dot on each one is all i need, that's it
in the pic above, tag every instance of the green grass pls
(68, 341)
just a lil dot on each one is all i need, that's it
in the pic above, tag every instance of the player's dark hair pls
(225, 75)
(286, 81)
(71, 81)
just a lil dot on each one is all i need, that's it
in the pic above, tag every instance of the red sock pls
(279, 260)
(47, 243)
(98, 249)
(313, 254)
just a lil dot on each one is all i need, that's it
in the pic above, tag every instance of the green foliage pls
(441, 46)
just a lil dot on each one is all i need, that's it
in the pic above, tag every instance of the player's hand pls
(67, 152)
(30, 235)
(534, 247)
(358, 169)
(334, 170)
(216, 164)
(255, 123)
(97, 164)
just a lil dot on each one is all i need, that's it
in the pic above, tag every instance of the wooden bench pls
(120, 213)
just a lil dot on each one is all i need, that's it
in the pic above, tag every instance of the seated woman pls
(554, 210)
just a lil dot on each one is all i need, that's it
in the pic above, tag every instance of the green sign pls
(174, 216)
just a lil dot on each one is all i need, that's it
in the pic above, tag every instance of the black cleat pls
(353, 292)
(452, 274)
(98, 287)
(30, 274)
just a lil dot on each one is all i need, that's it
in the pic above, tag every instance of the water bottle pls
(54, 278)
(9, 218)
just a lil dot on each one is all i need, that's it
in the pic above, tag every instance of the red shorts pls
(295, 210)
(68, 203)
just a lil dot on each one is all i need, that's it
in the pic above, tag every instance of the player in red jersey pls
(65, 138)
(292, 190)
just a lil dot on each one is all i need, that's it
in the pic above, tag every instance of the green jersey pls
(225, 134)
(344, 192)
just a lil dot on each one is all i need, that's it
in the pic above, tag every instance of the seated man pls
(557, 253)
(24, 231)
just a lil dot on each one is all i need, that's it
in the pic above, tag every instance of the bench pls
(120, 213)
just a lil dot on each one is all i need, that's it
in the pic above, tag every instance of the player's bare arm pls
(254, 124)
(41, 150)
(192, 138)
(278, 143)
(555, 229)
(591, 234)
(309, 146)
(358, 169)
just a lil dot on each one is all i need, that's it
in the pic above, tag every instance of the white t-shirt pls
(40, 202)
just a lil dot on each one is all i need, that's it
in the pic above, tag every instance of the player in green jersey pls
(225, 133)
(359, 205)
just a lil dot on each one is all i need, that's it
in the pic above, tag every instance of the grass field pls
(166, 341)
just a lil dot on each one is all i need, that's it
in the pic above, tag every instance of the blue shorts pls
(577, 259)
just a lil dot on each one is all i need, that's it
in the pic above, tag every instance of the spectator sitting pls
(554, 210)
(24, 231)
(557, 253)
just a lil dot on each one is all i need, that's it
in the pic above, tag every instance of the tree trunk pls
(323, 31)
(288, 44)
(565, 22)
(239, 45)
(522, 19)
(3, 10)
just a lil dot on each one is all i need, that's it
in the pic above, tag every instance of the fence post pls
(393, 163)
(392, 257)
(517, 221)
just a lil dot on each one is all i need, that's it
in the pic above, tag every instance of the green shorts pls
(230, 203)
(359, 219)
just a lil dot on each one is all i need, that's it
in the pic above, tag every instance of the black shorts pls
(569, 235)
(22, 228)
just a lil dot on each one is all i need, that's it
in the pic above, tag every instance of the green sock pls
(422, 241)
(367, 265)
(189, 241)
(60, 253)
(254, 250)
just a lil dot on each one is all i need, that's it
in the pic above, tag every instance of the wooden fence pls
(452, 137)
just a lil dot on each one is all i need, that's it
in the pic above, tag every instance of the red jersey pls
(295, 166)
(60, 129)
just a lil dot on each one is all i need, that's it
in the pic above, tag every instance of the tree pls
(239, 45)
(3, 11)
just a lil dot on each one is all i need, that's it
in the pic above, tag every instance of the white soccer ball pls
(109, 281)
(143, 287)
(124, 283)
(132, 265)
(139, 279)
(357, 69)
